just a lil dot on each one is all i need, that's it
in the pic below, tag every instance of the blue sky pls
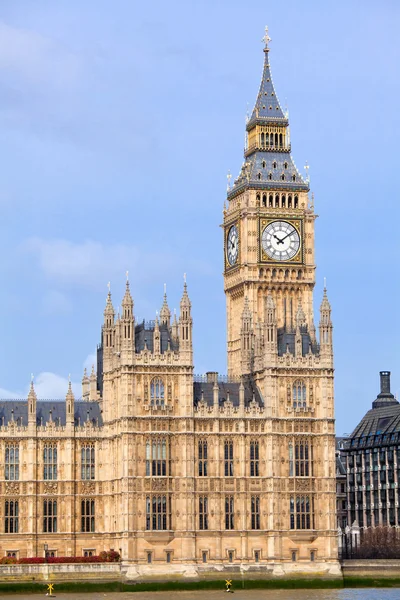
(118, 124)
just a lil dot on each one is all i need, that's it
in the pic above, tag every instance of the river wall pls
(131, 572)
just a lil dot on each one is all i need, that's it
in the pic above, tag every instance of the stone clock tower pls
(269, 276)
(269, 237)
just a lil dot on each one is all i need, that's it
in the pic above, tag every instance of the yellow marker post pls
(228, 583)
(50, 588)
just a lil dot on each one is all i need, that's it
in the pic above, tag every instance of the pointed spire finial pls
(325, 285)
(109, 287)
(229, 177)
(184, 278)
(307, 166)
(127, 276)
(266, 39)
(165, 289)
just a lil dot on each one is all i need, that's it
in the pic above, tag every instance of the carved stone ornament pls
(50, 487)
(159, 484)
(88, 487)
(12, 488)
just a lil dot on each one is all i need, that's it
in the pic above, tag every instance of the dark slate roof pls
(206, 390)
(18, 410)
(144, 333)
(340, 468)
(267, 105)
(286, 340)
(253, 173)
(378, 422)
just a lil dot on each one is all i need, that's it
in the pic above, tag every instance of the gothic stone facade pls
(170, 469)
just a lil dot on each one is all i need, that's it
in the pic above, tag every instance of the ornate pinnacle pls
(266, 39)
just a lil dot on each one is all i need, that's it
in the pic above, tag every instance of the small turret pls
(246, 337)
(70, 405)
(165, 313)
(270, 325)
(325, 326)
(108, 332)
(32, 405)
(126, 326)
(156, 338)
(85, 385)
(185, 326)
(300, 324)
(93, 385)
(175, 329)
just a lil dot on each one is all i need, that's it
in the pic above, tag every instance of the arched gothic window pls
(157, 392)
(299, 395)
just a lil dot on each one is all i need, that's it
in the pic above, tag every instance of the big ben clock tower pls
(269, 276)
(269, 233)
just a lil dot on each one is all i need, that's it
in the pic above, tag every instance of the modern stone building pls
(180, 472)
(372, 459)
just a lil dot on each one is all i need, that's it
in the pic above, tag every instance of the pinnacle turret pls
(165, 313)
(109, 312)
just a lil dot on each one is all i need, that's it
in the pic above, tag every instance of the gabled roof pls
(17, 410)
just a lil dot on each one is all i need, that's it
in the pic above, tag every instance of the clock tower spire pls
(269, 229)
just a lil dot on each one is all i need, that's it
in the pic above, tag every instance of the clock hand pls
(284, 238)
(279, 239)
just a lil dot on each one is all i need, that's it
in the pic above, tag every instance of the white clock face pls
(280, 240)
(232, 245)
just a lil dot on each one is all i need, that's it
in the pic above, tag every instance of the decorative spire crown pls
(165, 313)
(109, 310)
(127, 299)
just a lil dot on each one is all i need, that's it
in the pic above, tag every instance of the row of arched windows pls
(157, 392)
(279, 200)
(283, 177)
(272, 140)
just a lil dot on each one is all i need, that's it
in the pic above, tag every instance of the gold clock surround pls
(227, 229)
(296, 223)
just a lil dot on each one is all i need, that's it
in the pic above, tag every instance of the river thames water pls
(342, 594)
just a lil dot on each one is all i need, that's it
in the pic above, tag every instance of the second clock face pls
(280, 240)
(232, 249)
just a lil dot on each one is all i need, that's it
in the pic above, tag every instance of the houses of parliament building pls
(186, 473)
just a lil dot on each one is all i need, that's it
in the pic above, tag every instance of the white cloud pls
(36, 59)
(50, 386)
(92, 264)
(54, 387)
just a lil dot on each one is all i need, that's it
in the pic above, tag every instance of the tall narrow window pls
(301, 512)
(270, 200)
(296, 201)
(299, 395)
(254, 459)
(156, 513)
(262, 140)
(289, 202)
(264, 200)
(156, 458)
(50, 462)
(228, 462)
(11, 462)
(157, 392)
(202, 458)
(229, 513)
(11, 516)
(87, 515)
(255, 512)
(303, 459)
(276, 200)
(203, 512)
(291, 469)
(50, 516)
(87, 462)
